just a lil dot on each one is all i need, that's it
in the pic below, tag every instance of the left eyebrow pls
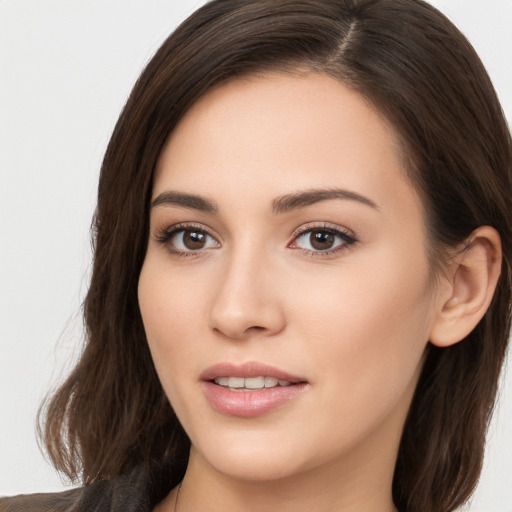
(300, 200)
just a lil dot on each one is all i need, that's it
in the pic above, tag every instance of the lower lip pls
(248, 404)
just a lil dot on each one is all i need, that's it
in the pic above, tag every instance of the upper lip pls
(247, 370)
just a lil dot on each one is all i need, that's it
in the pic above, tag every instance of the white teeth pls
(250, 382)
(236, 382)
(255, 382)
(270, 382)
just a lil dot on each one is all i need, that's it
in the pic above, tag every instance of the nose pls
(247, 299)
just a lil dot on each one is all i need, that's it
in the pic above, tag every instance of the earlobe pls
(470, 285)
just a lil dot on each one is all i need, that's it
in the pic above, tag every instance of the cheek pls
(168, 314)
(364, 336)
(366, 325)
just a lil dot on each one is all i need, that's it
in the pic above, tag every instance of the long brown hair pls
(416, 68)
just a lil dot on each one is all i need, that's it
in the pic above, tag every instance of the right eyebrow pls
(194, 202)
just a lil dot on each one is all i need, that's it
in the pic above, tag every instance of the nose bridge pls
(246, 299)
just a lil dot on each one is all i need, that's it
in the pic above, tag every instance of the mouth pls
(251, 389)
(250, 383)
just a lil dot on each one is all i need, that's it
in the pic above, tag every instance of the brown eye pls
(194, 240)
(321, 240)
(189, 240)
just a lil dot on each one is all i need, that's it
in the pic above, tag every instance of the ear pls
(467, 287)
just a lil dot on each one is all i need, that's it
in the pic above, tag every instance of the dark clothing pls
(138, 491)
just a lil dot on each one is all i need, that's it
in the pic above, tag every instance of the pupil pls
(322, 240)
(194, 240)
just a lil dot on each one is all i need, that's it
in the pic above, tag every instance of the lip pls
(252, 403)
(247, 370)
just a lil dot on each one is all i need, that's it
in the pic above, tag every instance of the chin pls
(255, 460)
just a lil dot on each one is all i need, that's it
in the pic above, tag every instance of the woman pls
(303, 245)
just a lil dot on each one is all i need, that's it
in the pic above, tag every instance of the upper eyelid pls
(302, 228)
(312, 226)
(184, 226)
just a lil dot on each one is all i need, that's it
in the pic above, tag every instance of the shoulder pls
(101, 496)
(139, 490)
(66, 501)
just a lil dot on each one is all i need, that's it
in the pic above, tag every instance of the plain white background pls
(66, 68)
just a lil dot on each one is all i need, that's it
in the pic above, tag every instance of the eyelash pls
(164, 235)
(346, 236)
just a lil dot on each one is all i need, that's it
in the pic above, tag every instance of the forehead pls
(266, 133)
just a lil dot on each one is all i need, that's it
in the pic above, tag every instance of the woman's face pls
(286, 245)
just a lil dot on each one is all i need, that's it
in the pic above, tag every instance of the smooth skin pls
(334, 287)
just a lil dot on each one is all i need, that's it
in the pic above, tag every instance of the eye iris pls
(194, 240)
(321, 240)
